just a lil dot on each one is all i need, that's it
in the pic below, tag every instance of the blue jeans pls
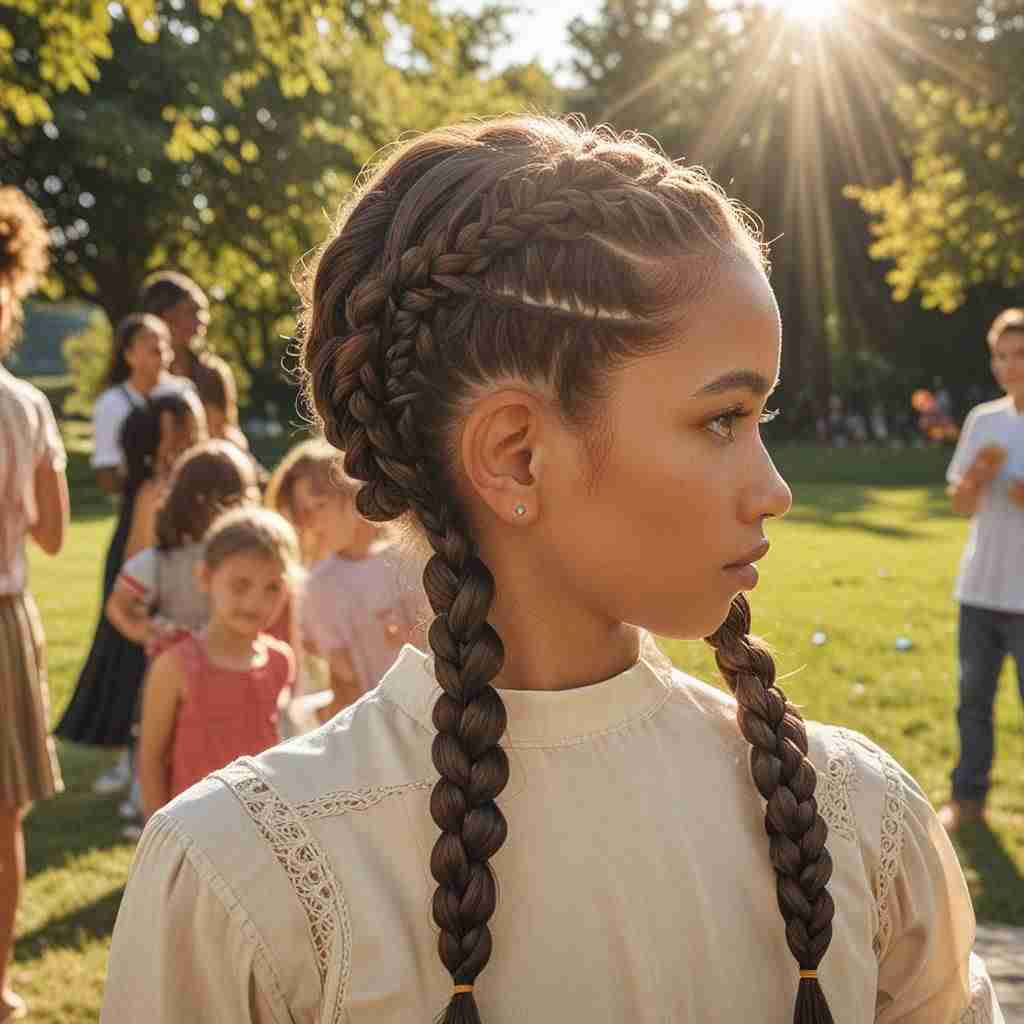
(986, 638)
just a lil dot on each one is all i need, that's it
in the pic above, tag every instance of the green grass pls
(863, 563)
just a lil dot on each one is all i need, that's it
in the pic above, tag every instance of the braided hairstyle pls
(538, 250)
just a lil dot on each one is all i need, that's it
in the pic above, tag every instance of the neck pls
(182, 362)
(366, 537)
(1018, 402)
(228, 644)
(550, 644)
(144, 387)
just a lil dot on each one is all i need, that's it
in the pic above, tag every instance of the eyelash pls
(734, 415)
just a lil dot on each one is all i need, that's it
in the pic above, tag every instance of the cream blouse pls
(634, 884)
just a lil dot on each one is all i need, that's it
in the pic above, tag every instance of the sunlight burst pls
(810, 10)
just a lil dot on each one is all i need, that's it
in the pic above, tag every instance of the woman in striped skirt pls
(34, 504)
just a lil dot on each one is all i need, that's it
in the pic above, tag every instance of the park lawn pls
(864, 565)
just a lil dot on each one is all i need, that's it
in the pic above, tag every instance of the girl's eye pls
(724, 425)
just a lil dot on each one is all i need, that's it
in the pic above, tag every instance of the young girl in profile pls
(156, 597)
(549, 351)
(213, 696)
(102, 708)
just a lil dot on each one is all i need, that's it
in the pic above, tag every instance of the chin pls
(691, 623)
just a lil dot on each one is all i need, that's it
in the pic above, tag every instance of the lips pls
(754, 555)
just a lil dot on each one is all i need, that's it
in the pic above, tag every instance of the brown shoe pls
(961, 812)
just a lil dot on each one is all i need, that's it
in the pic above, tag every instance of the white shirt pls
(992, 569)
(28, 435)
(635, 884)
(112, 409)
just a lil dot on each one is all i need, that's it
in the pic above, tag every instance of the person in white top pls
(986, 482)
(549, 349)
(34, 504)
(139, 357)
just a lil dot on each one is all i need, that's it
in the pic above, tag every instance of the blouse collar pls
(547, 718)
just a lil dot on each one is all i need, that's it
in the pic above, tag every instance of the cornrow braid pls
(476, 253)
(786, 779)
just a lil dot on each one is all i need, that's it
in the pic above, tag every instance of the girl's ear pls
(503, 446)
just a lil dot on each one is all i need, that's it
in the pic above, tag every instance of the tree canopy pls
(955, 220)
(181, 154)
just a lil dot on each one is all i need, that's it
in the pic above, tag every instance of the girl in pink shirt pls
(213, 696)
(362, 599)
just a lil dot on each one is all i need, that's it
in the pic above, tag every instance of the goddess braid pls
(388, 352)
(786, 779)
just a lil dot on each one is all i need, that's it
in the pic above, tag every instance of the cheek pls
(646, 542)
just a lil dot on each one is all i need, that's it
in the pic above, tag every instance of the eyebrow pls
(743, 380)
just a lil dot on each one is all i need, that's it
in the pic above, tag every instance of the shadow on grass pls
(72, 931)
(76, 822)
(997, 886)
(847, 507)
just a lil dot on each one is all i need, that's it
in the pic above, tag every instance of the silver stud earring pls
(520, 510)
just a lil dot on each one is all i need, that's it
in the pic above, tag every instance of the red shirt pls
(225, 713)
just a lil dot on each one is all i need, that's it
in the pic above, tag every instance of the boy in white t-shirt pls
(986, 482)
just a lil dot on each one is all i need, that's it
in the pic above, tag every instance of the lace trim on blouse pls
(309, 871)
(342, 801)
(980, 1010)
(891, 845)
(835, 790)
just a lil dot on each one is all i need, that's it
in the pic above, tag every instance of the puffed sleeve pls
(927, 972)
(184, 948)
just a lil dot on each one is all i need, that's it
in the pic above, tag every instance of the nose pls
(768, 496)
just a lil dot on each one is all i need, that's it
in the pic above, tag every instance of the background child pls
(156, 596)
(213, 696)
(986, 479)
(139, 359)
(299, 485)
(362, 601)
(102, 708)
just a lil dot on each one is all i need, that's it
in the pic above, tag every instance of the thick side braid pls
(534, 250)
(786, 779)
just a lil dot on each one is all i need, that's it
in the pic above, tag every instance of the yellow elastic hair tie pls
(809, 974)
(461, 989)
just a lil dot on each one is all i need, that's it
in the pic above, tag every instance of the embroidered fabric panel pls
(836, 787)
(891, 846)
(309, 872)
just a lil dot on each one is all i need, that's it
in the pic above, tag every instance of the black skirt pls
(102, 709)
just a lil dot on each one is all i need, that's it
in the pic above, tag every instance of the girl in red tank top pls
(214, 695)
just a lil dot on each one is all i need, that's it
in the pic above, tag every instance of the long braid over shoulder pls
(524, 248)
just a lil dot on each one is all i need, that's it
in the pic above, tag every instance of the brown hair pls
(1009, 320)
(166, 288)
(24, 255)
(125, 333)
(252, 530)
(216, 386)
(314, 460)
(207, 480)
(529, 248)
